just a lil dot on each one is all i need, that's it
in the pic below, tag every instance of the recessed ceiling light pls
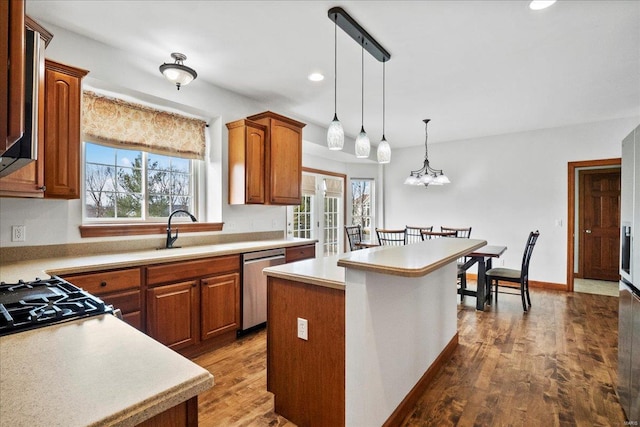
(316, 77)
(540, 4)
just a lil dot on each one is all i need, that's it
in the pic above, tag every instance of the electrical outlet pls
(303, 329)
(18, 233)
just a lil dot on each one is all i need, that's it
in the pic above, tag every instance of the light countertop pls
(90, 372)
(319, 271)
(414, 260)
(44, 267)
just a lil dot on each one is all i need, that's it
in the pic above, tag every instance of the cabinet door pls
(220, 304)
(255, 165)
(285, 165)
(62, 130)
(173, 313)
(12, 52)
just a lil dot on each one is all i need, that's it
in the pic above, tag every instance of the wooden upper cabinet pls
(246, 162)
(284, 158)
(28, 181)
(63, 86)
(265, 160)
(12, 85)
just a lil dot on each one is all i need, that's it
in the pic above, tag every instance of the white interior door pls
(320, 214)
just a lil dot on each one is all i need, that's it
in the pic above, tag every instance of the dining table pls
(483, 257)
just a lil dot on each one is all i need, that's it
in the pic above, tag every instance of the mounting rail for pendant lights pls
(349, 25)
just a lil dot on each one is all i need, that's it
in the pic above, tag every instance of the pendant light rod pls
(359, 34)
(362, 97)
(383, 90)
(335, 71)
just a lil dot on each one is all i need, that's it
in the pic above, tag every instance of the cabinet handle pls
(103, 284)
(43, 188)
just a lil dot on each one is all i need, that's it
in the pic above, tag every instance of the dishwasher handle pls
(269, 254)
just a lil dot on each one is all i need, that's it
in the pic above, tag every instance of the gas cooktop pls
(28, 305)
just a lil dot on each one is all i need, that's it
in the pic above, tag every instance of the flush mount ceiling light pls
(540, 4)
(178, 73)
(368, 43)
(426, 174)
(316, 77)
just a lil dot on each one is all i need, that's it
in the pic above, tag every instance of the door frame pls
(572, 167)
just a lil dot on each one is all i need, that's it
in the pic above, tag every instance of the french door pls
(320, 215)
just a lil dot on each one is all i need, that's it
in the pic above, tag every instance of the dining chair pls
(426, 235)
(495, 275)
(391, 237)
(354, 236)
(414, 233)
(464, 232)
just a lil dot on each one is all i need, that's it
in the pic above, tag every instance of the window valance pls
(120, 123)
(333, 187)
(308, 185)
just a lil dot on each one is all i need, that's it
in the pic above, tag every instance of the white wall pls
(504, 186)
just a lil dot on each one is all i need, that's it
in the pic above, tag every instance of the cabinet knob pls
(43, 188)
(103, 284)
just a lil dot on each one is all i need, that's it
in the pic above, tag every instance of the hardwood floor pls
(554, 366)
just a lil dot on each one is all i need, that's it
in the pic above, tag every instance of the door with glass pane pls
(320, 214)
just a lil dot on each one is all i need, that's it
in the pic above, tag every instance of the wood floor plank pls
(553, 366)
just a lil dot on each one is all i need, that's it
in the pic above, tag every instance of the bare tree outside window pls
(362, 205)
(123, 183)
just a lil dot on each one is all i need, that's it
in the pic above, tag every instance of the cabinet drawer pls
(107, 281)
(298, 253)
(125, 301)
(177, 271)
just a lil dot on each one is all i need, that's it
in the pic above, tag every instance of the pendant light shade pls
(178, 73)
(335, 134)
(384, 149)
(363, 145)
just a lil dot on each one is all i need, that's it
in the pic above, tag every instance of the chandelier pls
(426, 174)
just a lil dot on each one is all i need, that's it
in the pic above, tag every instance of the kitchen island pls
(379, 324)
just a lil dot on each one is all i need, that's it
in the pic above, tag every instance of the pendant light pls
(335, 134)
(363, 146)
(384, 150)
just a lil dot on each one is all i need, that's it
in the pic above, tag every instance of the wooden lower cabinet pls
(182, 415)
(120, 288)
(173, 314)
(194, 306)
(220, 305)
(298, 253)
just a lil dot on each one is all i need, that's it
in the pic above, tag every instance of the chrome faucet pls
(172, 239)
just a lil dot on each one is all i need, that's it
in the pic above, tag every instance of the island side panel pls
(396, 327)
(307, 378)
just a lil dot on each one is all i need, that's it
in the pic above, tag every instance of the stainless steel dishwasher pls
(254, 286)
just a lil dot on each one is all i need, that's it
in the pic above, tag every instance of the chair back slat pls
(354, 235)
(463, 233)
(391, 237)
(528, 250)
(426, 235)
(414, 234)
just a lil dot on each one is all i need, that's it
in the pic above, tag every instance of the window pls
(362, 206)
(303, 218)
(132, 184)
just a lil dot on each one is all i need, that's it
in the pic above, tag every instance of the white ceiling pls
(476, 68)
